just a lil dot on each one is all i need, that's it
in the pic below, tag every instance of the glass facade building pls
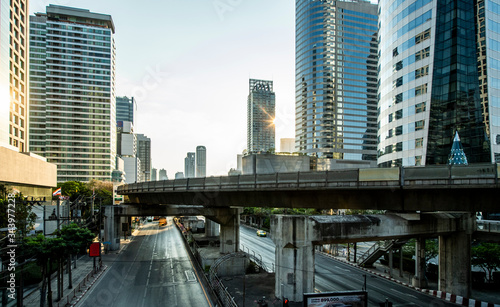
(189, 165)
(261, 108)
(144, 155)
(336, 81)
(125, 108)
(72, 84)
(438, 76)
(14, 28)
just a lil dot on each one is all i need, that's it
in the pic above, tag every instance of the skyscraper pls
(439, 72)
(336, 81)
(189, 165)
(201, 161)
(260, 116)
(154, 174)
(72, 119)
(14, 74)
(144, 154)
(125, 109)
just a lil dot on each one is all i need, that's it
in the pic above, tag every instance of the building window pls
(398, 98)
(422, 36)
(419, 143)
(420, 72)
(398, 82)
(422, 54)
(395, 52)
(419, 125)
(421, 89)
(420, 107)
(418, 160)
(399, 130)
(398, 66)
(399, 114)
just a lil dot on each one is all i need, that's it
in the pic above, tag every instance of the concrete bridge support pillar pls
(229, 220)
(211, 228)
(419, 279)
(454, 264)
(294, 256)
(112, 228)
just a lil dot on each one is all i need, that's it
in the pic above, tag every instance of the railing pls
(217, 284)
(383, 246)
(256, 259)
(82, 285)
(488, 226)
(429, 176)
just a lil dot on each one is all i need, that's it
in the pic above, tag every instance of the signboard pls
(95, 249)
(336, 299)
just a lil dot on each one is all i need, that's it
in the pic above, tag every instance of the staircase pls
(377, 250)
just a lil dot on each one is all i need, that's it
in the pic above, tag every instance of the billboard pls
(336, 299)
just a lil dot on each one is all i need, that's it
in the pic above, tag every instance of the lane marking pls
(403, 293)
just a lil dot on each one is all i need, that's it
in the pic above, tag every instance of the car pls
(150, 219)
(261, 233)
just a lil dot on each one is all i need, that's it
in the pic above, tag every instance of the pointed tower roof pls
(457, 155)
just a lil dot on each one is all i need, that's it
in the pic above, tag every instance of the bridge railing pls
(429, 176)
(488, 226)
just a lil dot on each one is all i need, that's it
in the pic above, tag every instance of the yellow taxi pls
(261, 233)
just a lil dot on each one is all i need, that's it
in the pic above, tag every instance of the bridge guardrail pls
(488, 226)
(429, 176)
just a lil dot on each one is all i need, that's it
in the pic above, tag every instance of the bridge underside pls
(450, 198)
(295, 237)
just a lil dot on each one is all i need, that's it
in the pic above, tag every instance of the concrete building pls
(14, 29)
(287, 145)
(163, 174)
(72, 83)
(189, 165)
(239, 162)
(132, 166)
(118, 175)
(179, 175)
(125, 109)
(154, 174)
(270, 164)
(260, 116)
(144, 155)
(127, 150)
(336, 81)
(201, 161)
(421, 64)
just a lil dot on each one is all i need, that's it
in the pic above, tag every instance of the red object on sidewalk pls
(95, 249)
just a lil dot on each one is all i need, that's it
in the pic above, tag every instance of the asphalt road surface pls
(332, 276)
(153, 270)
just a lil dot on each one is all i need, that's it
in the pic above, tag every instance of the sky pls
(188, 65)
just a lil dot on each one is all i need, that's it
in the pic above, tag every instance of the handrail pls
(429, 175)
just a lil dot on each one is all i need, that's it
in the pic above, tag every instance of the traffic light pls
(285, 302)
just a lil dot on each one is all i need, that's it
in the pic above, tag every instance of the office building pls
(144, 154)
(336, 82)
(201, 161)
(260, 116)
(189, 165)
(163, 174)
(154, 174)
(125, 109)
(439, 75)
(127, 151)
(14, 74)
(179, 175)
(72, 117)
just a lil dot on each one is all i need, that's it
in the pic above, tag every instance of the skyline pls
(191, 80)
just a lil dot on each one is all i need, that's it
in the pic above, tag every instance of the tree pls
(24, 216)
(486, 256)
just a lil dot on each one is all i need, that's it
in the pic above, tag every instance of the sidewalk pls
(83, 277)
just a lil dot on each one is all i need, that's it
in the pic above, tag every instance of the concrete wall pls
(271, 164)
(28, 173)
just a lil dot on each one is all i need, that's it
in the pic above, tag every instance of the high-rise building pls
(127, 150)
(189, 165)
(14, 110)
(72, 117)
(163, 174)
(154, 174)
(179, 175)
(125, 109)
(201, 161)
(336, 81)
(439, 75)
(144, 154)
(260, 116)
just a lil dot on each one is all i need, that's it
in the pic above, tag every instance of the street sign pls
(95, 249)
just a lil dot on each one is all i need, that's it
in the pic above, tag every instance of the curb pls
(452, 298)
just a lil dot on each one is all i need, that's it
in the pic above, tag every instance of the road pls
(332, 275)
(153, 270)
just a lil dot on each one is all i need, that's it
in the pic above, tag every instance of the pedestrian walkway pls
(82, 277)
